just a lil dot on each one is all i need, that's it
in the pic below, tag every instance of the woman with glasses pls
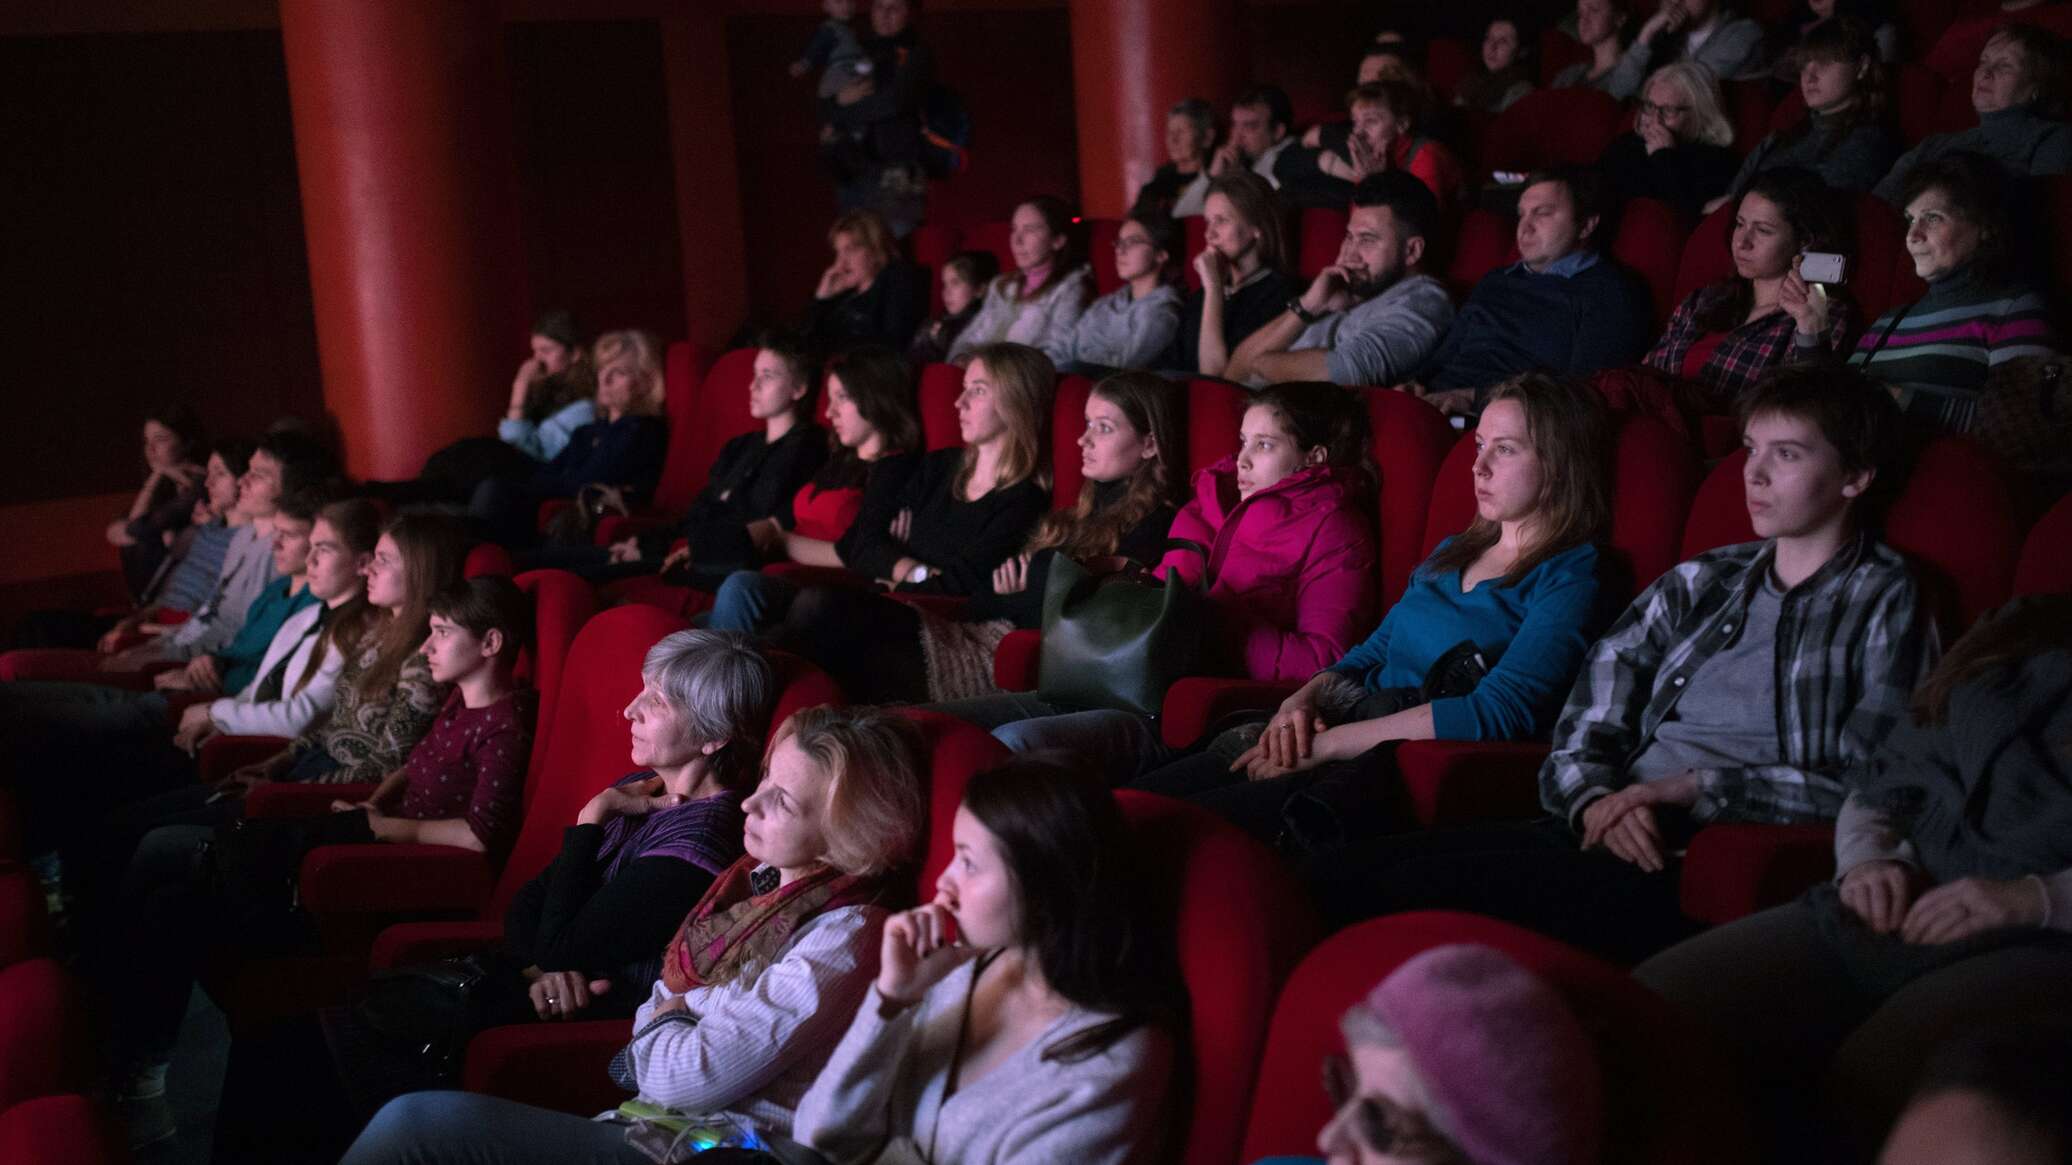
(1680, 149)
(1132, 326)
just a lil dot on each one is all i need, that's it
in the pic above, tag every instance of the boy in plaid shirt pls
(1740, 686)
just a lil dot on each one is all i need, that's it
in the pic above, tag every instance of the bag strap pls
(1885, 335)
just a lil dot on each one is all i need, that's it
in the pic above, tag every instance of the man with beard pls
(1372, 318)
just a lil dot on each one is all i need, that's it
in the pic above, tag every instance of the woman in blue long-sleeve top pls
(1483, 644)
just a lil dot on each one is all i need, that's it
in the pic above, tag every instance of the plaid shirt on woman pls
(1749, 350)
(1853, 641)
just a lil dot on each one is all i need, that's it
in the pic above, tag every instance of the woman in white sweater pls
(757, 985)
(1021, 1016)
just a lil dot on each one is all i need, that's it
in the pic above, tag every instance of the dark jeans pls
(870, 644)
(1532, 873)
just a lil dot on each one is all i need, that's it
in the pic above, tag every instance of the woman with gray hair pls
(1180, 187)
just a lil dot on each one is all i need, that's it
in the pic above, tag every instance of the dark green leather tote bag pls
(1117, 637)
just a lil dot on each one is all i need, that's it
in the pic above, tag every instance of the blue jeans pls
(466, 1128)
(750, 601)
(1119, 745)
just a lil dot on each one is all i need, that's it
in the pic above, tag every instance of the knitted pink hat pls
(1512, 1078)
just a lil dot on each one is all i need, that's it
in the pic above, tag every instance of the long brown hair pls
(434, 548)
(2025, 627)
(1027, 382)
(1571, 436)
(1064, 222)
(1254, 201)
(1147, 404)
(1808, 207)
(357, 522)
(880, 382)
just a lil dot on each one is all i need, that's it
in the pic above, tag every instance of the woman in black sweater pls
(1243, 274)
(868, 295)
(1680, 149)
(962, 515)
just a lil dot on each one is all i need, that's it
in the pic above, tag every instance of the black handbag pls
(411, 1029)
(1118, 637)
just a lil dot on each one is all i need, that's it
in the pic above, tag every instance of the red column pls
(708, 179)
(409, 203)
(1131, 59)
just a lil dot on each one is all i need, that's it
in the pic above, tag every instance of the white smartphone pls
(1823, 267)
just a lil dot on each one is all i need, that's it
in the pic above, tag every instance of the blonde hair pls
(875, 806)
(1708, 106)
(644, 352)
(1027, 383)
(868, 230)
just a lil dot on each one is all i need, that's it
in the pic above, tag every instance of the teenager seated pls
(901, 653)
(1950, 906)
(1289, 533)
(1371, 318)
(181, 584)
(1134, 325)
(1027, 1012)
(757, 984)
(1179, 186)
(1482, 645)
(2018, 91)
(1386, 133)
(1037, 303)
(1507, 67)
(858, 491)
(1242, 267)
(1429, 1048)
(964, 279)
(1980, 312)
(1600, 27)
(460, 786)
(1562, 308)
(1740, 686)
(1680, 149)
(1726, 336)
(1704, 32)
(173, 450)
(615, 458)
(1843, 137)
(747, 493)
(963, 514)
(869, 294)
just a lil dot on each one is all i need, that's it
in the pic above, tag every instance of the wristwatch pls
(1302, 313)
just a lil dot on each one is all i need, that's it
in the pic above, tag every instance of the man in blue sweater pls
(1561, 308)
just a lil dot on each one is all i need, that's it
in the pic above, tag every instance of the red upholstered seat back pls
(1653, 479)
(2046, 563)
(684, 368)
(1750, 109)
(1447, 60)
(1485, 242)
(1100, 250)
(940, 385)
(1197, 241)
(1242, 925)
(932, 245)
(487, 560)
(1410, 441)
(1452, 505)
(1669, 1094)
(1719, 510)
(957, 751)
(992, 236)
(1705, 258)
(1215, 411)
(1067, 422)
(1917, 95)
(65, 1129)
(1883, 274)
(561, 604)
(1550, 127)
(1322, 229)
(1650, 242)
(1559, 50)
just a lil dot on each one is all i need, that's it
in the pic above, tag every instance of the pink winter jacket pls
(1291, 569)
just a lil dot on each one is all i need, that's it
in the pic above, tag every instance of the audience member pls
(869, 294)
(1704, 32)
(1372, 317)
(1951, 902)
(1726, 336)
(554, 393)
(236, 664)
(756, 985)
(1740, 686)
(1506, 70)
(964, 280)
(1262, 126)
(1177, 188)
(1562, 307)
(1844, 137)
(1601, 29)
(1242, 268)
(1038, 303)
(1134, 325)
(1453, 659)
(873, 138)
(834, 50)
(1810, 16)
(173, 447)
(1978, 313)
(870, 410)
(963, 513)
(1384, 134)
(1991, 1095)
(1680, 150)
(1028, 1010)
(1288, 577)
(2018, 90)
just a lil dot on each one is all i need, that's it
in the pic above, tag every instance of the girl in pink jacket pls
(1288, 523)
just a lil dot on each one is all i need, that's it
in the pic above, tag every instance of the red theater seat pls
(1067, 423)
(1650, 243)
(1319, 236)
(1100, 249)
(931, 245)
(1486, 241)
(1733, 870)
(992, 236)
(46, 1037)
(1215, 411)
(1550, 127)
(1447, 60)
(940, 386)
(1197, 242)
(488, 560)
(2045, 567)
(59, 1130)
(1670, 1092)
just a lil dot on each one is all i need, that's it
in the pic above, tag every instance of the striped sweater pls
(1942, 347)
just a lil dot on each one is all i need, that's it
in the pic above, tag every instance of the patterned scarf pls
(733, 925)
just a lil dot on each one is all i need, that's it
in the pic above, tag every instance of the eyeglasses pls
(1381, 1125)
(1664, 110)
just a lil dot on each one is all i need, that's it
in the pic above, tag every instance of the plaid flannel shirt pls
(1749, 350)
(1853, 641)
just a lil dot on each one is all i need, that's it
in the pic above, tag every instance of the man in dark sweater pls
(1561, 308)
